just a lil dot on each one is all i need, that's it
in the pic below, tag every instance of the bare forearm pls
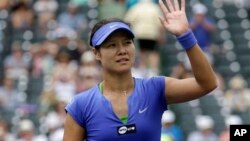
(202, 70)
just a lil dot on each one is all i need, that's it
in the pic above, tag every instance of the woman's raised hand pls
(174, 17)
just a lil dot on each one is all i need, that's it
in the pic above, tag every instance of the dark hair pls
(102, 22)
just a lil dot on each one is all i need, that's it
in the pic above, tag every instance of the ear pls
(97, 54)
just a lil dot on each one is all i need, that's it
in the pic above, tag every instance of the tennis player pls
(124, 108)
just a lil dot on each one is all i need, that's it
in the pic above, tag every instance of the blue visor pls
(102, 33)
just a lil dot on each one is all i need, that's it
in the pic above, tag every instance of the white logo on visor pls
(112, 26)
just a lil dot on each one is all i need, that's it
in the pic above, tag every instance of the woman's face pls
(117, 53)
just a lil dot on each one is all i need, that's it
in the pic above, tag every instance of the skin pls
(118, 46)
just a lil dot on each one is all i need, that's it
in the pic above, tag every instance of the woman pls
(123, 108)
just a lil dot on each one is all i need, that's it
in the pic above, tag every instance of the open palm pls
(175, 19)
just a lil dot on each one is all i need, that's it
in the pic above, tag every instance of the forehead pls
(119, 34)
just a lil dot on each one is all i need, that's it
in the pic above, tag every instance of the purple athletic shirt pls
(92, 111)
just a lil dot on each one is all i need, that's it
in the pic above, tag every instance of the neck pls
(118, 82)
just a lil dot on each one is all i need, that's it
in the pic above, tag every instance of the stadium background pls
(42, 30)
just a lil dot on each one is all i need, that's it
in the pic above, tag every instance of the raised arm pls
(204, 81)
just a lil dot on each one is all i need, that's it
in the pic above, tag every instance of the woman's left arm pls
(204, 81)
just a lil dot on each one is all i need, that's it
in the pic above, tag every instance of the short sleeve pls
(159, 84)
(75, 109)
(156, 85)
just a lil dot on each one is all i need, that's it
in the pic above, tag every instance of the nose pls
(121, 49)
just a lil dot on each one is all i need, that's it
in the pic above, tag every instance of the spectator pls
(47, 101)
(46, 13)
(5, 134)
(51, 47)
(73, 19)
(41, 6)
(57, 135)
(237, 96)
(21, 19)
(170, 128)
(205, 131)
(26, 132)
(66, 39)
(16, 64)
(10, 99)
(111, 8)
(42, 62)
(230, 120)
(56, 114)
(4, 4)
(64, 76)
(202, 27)
(54, 123)
(147, 29)
(88, 72)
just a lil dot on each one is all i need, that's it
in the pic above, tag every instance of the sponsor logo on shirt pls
(126, 129)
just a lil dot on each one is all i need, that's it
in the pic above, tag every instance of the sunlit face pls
(117, 53)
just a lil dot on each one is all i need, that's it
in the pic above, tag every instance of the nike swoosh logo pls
(143, 110)
(112, 26)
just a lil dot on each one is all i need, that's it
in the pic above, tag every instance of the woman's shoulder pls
(151, 82)
(84, 98)
(150, 79)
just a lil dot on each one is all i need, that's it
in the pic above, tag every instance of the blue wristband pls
(187, 40)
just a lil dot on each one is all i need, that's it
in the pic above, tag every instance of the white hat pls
(57, 135)
(237, 82)
(26, 125)
(168, 117)
(204, 122)
(88, 56)
(52, 120)
(233, 120)
(199, 9)
(65, 32)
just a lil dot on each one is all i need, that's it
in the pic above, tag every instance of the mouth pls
(122, 60)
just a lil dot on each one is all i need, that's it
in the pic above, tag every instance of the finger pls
(170, 6)
(163, 8)
(176, 5)
(163, 21)
(183, 8)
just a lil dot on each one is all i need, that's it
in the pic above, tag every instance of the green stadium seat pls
(236, 28)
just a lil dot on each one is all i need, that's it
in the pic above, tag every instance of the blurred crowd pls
(45, 59)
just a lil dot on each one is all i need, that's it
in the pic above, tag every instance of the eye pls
(128, 42)
(112, 45)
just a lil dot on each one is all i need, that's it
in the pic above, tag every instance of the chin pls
(123, 69)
